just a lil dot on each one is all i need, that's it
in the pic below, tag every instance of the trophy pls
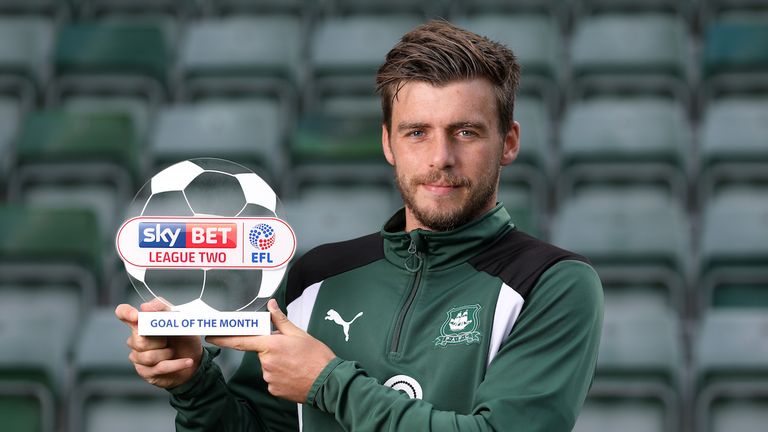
(200, 222)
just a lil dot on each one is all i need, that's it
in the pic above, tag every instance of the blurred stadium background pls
(645, 147)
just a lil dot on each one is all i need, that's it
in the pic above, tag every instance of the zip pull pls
(414, 261)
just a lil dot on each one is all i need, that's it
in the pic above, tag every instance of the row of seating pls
(638, 238)
(647, 380)
(160, 59)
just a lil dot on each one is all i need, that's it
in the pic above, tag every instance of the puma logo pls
(334, 316)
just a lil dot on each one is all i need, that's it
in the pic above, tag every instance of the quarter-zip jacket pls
(477, 329)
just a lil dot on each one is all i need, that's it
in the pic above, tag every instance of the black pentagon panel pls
(216, 194)
(255, 210)
(222, 165)
(168, 204)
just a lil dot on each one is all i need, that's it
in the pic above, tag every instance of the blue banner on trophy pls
(206, 237)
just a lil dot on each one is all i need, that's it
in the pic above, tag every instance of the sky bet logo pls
(187, 235)
(206, 242)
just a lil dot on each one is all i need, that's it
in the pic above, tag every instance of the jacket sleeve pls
(208, 403)
(537, 382)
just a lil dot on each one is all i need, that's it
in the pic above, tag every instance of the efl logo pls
(187, 235)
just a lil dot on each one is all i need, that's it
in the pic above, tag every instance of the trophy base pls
(204, 323)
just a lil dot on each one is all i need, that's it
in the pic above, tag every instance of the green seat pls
(427, 8)
(69, 159)
(733, 142)
(639, 373)
(607, 140)
(735, 45)
(60, 137)
(100, 7)
(32, 374)
(65, 242)
(632, 235)
(106, 379)
(25, 48)
(735, 229)
(346, 52)
(247, 131)
(295, 7)
(607, 54)
(328, 213)
(731, 371)
(137, 109)
(213, 58)
(524, 209)
(339, 138)
(118, 57)
(734, 249)
(609, 414)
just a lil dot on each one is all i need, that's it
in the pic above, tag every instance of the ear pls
(511, 145)
(386, 146)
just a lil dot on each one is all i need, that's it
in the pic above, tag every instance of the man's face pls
(447, 151)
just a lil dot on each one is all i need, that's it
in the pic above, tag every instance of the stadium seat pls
(537, 44)
(319, 214)
(213, 59)
(584, 7)
(113, 57)
(59, 9)
(632, 235)
(733, 146)
(139, 111)
(25, 48)
(74, 159)
(55, 246)
(525, 210)
(247, 131)
(608, 140)
(731, 371)
(32, 374)
(345, 52)
(735, 55)
(107, 392)
(639, 373)
(338, 138)
(734, 246)
(608, 57)
(179, 8)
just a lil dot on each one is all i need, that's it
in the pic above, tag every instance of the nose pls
(443, 152)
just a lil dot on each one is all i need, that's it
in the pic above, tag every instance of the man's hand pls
(291, 359)
(163, 361)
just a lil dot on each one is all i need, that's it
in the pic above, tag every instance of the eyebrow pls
(452, 126)
(411, 125)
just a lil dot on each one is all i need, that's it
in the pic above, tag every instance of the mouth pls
(440, 189)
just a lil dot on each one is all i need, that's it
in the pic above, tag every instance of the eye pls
(416, 133)
(465, 133)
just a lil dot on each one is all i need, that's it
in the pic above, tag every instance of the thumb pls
(281, 322)
(158, 304)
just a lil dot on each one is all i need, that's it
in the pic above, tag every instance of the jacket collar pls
(444, 249)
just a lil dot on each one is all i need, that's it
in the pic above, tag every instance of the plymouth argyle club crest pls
(460, 326)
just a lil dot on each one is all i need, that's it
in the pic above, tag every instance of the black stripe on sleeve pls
(331, 259)
(519, 260)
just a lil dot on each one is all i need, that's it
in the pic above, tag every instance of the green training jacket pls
(482, 328)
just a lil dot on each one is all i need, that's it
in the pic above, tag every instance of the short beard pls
(445, 221)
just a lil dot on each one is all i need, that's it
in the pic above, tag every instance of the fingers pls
(164, 367)
(152, 357)
(281, 322)
(128, 314)
(157, 304)
(146, 343)
(240, 343)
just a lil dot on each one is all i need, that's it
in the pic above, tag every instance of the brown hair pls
(438, 53)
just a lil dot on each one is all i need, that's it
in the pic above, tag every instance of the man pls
(449, 319)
